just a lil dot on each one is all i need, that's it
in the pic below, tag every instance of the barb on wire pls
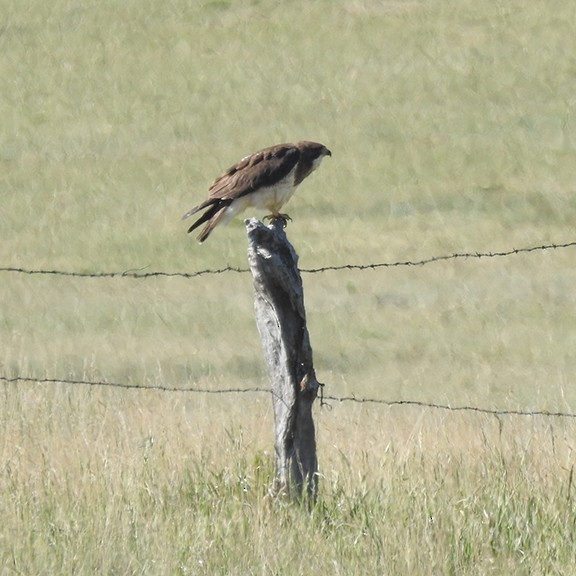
(258, 390)
(371, 266)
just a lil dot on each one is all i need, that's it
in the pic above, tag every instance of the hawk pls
(265, 179)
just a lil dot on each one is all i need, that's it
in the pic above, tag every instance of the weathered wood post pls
(281, 320)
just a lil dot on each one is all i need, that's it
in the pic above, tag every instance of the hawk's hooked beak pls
(328, 153)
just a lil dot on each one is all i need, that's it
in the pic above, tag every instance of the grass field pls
(452, 130)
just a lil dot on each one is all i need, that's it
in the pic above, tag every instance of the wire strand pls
(137, 273)
(259, 390)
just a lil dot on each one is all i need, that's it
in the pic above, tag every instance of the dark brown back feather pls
(259, 170)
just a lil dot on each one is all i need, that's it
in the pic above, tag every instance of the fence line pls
(137, 273)
(324, 398)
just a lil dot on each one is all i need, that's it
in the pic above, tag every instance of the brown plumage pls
(266, 179)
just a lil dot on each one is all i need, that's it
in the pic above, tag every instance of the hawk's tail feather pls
(209, 202)
(190, 212)
(213, 215)
(212, 223)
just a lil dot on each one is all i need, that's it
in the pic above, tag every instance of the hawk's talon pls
(274, 217)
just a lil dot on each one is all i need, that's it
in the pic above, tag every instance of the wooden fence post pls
(281, 320)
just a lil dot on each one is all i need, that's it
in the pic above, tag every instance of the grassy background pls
(451, 126)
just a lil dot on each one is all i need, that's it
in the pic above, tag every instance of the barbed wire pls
(124, 274)
(493, 411)
(137, 273)
(433, 259)
(260, 390)
(106, 383)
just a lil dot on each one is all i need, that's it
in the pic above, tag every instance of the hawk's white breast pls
(270, 198)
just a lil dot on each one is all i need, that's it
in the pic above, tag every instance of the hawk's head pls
(313, 152)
